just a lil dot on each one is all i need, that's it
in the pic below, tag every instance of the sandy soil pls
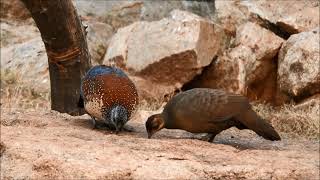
(49, 145)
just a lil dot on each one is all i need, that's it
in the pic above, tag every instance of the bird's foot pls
(94, 124)
(212, 136)
(208, 137)
(125, 128)
(109, 127)
(128, 128)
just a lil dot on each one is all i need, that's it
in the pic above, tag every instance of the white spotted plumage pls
(93, 107)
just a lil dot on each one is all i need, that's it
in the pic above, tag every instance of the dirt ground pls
(50, 145)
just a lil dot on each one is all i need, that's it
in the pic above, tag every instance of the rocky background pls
(265, 50)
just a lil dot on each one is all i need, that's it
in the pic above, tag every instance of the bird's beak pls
(149, 135)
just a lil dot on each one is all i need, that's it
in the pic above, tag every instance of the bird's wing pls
(213, 108)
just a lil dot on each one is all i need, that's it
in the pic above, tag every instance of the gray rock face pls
(122, 13)
(301, 16)
(299, 64)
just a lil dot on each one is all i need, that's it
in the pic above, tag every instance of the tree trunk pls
(66, 46)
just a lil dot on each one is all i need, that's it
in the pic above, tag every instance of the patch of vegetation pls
(16, 94)
(293, 120)
(8, 77)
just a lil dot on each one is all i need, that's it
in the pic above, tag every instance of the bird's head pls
(118, 117)
(154, 124)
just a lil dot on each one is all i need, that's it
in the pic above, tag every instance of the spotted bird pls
(109, 95)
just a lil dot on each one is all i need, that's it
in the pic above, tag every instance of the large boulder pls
(248, 68)
(122, 13)
(264, 46)
(102, 17)
(117, 13)
(28, 63)
(299, 62)
(230, 15)
(227, 71)
(275, 15)
(152, 95)
(264, 43)
(301, 16)
(169, 52)
(98, 36)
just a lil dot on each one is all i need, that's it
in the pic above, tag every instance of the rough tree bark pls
(64, 37)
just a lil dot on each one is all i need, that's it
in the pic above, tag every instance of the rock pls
(299, 62)
(28, 63)
(123, 13)
(152, 95)
(264, 43)
(301, 16)
(115, 14)
(169, 52)
(227, 72)
(249, 68)
(14, 33)
(239, 71)
(230, 15)
(156, 10)
(98, 38)
(13, 9)
(19, 58)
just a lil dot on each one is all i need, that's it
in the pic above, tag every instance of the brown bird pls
(203, 110)
(108, 94)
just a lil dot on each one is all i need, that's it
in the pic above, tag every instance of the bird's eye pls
(154, 126)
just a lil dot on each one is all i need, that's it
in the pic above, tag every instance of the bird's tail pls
(252, 121)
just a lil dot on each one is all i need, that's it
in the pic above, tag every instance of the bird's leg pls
(208, 137)
(211, 137)
(109, 126)
(94, 123)
(128, 128)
